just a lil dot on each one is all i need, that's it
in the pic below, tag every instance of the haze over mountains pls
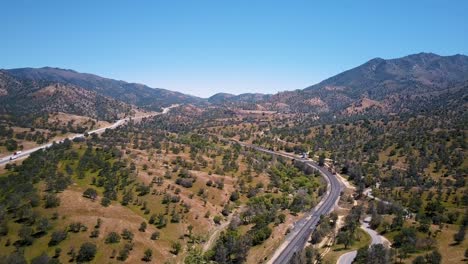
(385, 86)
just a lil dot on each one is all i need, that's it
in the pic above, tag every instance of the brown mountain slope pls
(390, 84)
(131, 93)
(21, 102)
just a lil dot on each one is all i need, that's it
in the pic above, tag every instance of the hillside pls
(391, 86)
(384, 80)
(23, 101)
(377, 86)
(130, 93)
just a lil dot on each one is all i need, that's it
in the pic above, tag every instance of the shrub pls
(234, 196)
(217, 219)
(185, 182)
(75, 227)
(57, 237)
(87, 252)
(127, 234)
(51, 200)
(90, 193)
(112, 238)
(41, 259)
(142, 227)
(155, 235)
(148, 255)
(105, 201)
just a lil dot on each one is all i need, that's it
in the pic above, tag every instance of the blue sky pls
(203, 47)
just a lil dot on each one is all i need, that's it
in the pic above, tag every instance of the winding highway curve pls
(297, 238)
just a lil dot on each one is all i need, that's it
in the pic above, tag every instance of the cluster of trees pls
(376, 254)
(325, 227)
(264, 212)
(416, 160)
(19, 197)
(9, 139)
(347, 234)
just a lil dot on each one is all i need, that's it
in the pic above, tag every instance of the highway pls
(26, 153)
(297, 238)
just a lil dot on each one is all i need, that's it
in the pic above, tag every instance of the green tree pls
(87, 252)
(51, 200)
(155, 235)
(434, 257)
(42, 259)
(57, 237)
(234, 196)
(148, 255)
(25, 235)
(460, 235)
(11, 145)
(217, 219)
(419, 260)
(90, 193)
(321, 160)
(105, 201)
(195, 256)
(127, 234)
(176, 248)
(142, 227)
(345, 238)
(112, 238)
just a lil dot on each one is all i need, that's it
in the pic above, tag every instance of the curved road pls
(348, 258)
(26, 153)
(297, 238)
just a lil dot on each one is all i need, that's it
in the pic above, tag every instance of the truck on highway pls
(15, 155)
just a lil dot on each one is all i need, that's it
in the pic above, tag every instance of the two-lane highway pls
(297, 238)
(26, 153)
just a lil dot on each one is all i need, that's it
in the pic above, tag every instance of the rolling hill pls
(23, 101)
(418, 82)
(130, 93)
(379, 85)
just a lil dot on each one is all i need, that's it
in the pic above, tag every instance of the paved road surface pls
(297, 238)
(26, 153)
(348, 258)
(376, 237)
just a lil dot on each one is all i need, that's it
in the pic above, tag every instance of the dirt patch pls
(363, 105)
(115, 218)
(63, 119)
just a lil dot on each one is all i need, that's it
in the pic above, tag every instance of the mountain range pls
(378, 84)
(387, 86)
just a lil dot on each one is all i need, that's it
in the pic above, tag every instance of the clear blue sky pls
(203, 47)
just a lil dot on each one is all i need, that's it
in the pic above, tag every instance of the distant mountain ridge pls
(131, 93)
(245, 97)
(378, 84)
(424, 68)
